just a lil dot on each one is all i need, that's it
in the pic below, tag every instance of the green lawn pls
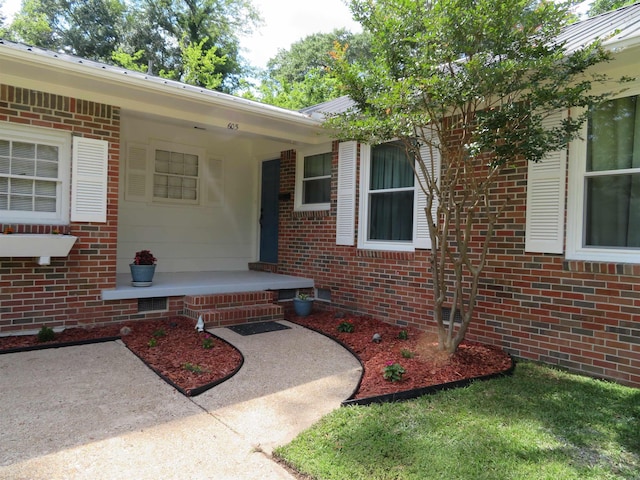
(539, 423)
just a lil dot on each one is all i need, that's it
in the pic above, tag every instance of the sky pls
(285, 22)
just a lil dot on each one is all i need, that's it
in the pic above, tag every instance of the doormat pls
(259, 327)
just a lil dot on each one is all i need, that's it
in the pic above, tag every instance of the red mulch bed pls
(428, 366)
(182, 344)
(179, 345)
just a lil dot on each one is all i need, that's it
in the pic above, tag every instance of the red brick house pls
(218, 187)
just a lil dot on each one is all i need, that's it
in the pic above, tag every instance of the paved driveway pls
(97, 412)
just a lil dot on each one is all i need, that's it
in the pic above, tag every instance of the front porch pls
(178, 284)
(221, 298)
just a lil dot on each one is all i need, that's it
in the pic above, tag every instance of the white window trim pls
(298, 206)
(57, 138)
(175, 147)
(363, 224)
(575, 249)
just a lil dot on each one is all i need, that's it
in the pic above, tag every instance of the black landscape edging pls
(192, 393)
(407, 394)
(201, 389)
(430, 390)
(48, 345)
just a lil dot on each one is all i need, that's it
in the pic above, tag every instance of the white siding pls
(219, 233)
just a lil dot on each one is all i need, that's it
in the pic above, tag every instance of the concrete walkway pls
(97, 412)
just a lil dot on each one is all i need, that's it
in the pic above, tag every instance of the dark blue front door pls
(269, 211)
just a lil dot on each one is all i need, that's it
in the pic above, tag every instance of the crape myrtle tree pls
(602, 6)
(473, 83)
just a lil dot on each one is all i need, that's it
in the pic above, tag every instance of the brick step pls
(263, 267)
(222, 317)
(229, 300)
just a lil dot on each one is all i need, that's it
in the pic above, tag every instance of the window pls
(606, 181)
(176, 176)
(313, 179)
(34, 175)
(387, 198)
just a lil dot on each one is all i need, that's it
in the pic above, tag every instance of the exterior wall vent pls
(323, 294)
(153, 304)
(446, 315)
(289, 294)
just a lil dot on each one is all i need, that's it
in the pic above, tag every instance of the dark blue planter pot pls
(302, 307)
(142, 275)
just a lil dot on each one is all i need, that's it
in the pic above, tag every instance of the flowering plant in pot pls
(302, 304)
(143, 268)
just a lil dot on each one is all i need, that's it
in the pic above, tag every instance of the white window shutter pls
(546, 199)
(346, 208)
(431, 158)
(135, 189)
(89, 180)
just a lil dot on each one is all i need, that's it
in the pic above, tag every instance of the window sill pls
(311, 213)
(43, 247)
(386, 254)
(585, 266)
(320, 207)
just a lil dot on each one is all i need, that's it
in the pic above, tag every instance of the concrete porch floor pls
(172, 284)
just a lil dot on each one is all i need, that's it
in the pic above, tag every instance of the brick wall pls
(584, 316)
(66, 292)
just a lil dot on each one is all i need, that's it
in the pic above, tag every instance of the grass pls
(539, 423)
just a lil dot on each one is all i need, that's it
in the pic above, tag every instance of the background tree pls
(195, 41)
(87, 28)
(3, 30)
(164, 29)
(603, 6)
(301, 76)
(473, 82)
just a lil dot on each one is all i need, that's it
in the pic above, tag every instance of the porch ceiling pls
(167, 284)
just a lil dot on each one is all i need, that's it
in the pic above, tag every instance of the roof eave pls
(137, 81)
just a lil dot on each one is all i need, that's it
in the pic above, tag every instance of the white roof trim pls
(118, 75)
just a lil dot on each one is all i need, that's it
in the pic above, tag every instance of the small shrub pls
(159, 333)
(346, 327)
(393, 372)
(46, 334)
(192, 367)
(403, 335)
(152, 343)
(207, 342)
(407, 353)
